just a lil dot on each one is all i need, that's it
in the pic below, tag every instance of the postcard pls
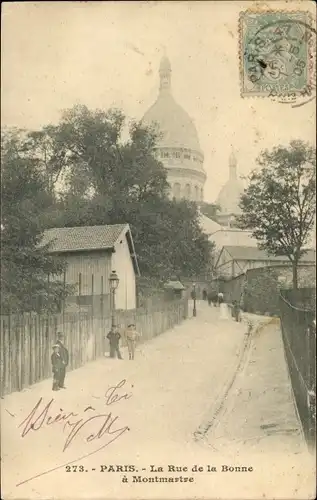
(158, 227)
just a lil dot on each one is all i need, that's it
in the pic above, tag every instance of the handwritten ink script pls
(90, 425)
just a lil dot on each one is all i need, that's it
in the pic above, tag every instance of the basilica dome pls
(175, 125)
(229, 197)
(230, 194)
(178, 145)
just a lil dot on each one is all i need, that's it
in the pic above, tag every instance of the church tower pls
(178, 147)
(230, 194)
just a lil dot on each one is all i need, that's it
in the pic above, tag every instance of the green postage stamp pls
(276, 53)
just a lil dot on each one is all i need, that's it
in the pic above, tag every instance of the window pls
(165, 154)
(187, 157)
(201, 194)
(176, 154)
(187, 191)
(196, 193)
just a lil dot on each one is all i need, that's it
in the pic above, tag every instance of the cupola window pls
(187, 157)
(187, 191)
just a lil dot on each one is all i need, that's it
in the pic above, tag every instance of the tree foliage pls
(82, 171)
(279, 203)
(111, 181)
(25, 265)
(209, 209)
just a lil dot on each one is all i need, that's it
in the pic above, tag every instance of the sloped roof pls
(208, 226)
(254, 253)
(174, 285)
(75, 239)
(233, 237)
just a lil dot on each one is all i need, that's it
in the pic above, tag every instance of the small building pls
(235, 260)
(91, 253)
(174, 289)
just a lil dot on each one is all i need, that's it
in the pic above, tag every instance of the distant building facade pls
(233, 261)
(178, 147)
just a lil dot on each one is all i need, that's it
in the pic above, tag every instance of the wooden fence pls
(26, 340)
(299, 338)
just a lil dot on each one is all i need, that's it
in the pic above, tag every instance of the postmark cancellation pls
(277, 57)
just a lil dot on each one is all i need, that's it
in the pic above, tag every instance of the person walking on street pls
(57, 367)
(131, 336)
(114, 338)
(220, 298)
(236, 311)
(65, 358)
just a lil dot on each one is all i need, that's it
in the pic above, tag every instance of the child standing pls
(57, 367)
(131, 336)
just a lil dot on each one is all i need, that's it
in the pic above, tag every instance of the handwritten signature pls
(42, 416)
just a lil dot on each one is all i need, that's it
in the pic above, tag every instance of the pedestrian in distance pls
(220, 298)
(65, 358)
(236, 311)
(114, 339)
(57, 367)
(205, 295)
(131, 336)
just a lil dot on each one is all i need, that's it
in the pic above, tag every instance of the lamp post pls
(114, 282)
(194, 299)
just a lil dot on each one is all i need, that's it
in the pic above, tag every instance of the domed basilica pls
(178, 147)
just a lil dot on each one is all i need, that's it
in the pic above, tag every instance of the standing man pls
(114, 338)
(131, 336)
(57, 367)
(65, 358)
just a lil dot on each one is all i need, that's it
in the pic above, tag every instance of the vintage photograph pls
(158, 250)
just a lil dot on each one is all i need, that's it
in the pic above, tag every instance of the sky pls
(104, 54)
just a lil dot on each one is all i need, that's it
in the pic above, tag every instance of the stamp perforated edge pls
(310, 47)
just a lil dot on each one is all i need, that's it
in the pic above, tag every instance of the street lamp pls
(194, 299)
(114, 282)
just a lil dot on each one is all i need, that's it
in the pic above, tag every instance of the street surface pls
(203, 393)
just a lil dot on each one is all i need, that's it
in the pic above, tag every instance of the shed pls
(91, 253)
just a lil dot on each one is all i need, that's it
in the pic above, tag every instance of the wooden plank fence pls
(27, 339)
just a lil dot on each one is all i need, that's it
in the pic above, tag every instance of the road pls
(191, 398)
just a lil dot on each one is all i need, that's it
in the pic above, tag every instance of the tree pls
(25, 265)
(279, 203)
(209, 209)
(110, 180)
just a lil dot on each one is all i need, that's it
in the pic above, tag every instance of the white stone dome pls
(229, 197)
(176, 126)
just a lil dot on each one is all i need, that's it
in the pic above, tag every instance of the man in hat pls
(57, 366)
(131, 336)
(114, 338)
(65, 358)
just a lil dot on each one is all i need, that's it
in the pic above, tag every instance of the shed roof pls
(88, 238)
(76, 239)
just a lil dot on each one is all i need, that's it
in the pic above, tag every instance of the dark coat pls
(64, 352)
(114, 338)
(57, 362)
